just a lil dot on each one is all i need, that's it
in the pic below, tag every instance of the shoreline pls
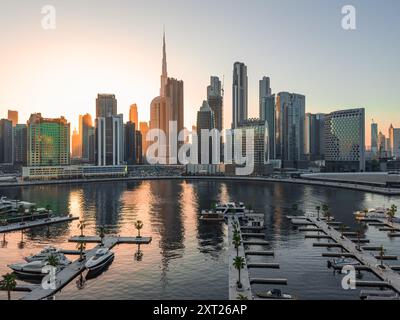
(330, 184)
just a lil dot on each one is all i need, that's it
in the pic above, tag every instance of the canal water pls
(187, 258)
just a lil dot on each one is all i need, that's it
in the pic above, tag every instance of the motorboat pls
(100, 259)
(6, 205)
(32, 269)
(212, 215)
(379, 212)
(342, 262)
(253, 222)
(275, 294)
(231, 207)
(46, 253)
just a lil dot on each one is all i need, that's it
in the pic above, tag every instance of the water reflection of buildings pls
(166, 220)
(210, 235)
(103, 205)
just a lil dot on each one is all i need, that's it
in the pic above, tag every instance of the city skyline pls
(45, 72)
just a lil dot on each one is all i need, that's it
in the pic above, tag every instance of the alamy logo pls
(49, 17)
(49, 281)
(349, 20)
(239, 148)
(349, 280)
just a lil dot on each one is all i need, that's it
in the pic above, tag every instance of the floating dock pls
(70, 272)
(389, 278)
(35, 224)
(234, 292)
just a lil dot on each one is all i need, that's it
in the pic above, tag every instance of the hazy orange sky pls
(115, 47)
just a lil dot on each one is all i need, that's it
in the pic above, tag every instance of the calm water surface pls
(187, 258)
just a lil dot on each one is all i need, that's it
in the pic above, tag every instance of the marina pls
(183, 247)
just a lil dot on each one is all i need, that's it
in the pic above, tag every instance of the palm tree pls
(237, 242)
(392, 212)
(239, 264)
(32, 209)
(53, 261)
(82, 226)
(102, 235)
(9, 284)
(81, 247)
(139, 226)
(318, 208)
(325, 210)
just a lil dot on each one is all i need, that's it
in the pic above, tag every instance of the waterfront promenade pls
(329, 184)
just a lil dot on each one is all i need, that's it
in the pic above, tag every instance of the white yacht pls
(35, 267)
(342, 262)
(46, 253)
(100, 260)
(231, 207)
(212, 215)
(379, 212)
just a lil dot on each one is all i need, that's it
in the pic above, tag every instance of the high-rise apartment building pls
(6, 142)
(133, 115)
(205, 121)
(86, 130)
(374, 138)
(20, 144)
(314, 136)
(106, 105)
(76, 145)
(239, 94)
(48, 142)
(289, 128)
(267, 111)
(345, 141)
(13, 117)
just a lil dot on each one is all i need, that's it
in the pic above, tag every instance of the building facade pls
(106, 105)
(259, 152)
(20, 144)
(109, 141)
(205, 121)
(13, 117)
(133, 115)
(374, 138)
(86, 131)
(6, 142)
(239, 94)
(48, 141)
(345, 141)
(314, 136)
(289, 129)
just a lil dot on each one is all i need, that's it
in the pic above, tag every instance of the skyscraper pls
(382, 145)
(13, 117)
(86, 130)
(20, 144)
(314, 136)
(6, 141)
(391, 141)
(396, 143)
(345, 141)
(374, 138)
(239, 94)
(216, 101)
(144, 129)
(267, 111)
(109, 132)
(168, 106)
(130, 143)
(133, 115)
(289, 128)
(205, 121)
(48, 141)
(106, 105)
(109, 141)
(76, 145)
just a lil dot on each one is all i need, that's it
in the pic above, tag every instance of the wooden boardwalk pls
(35, 224)
(234, 293)
(65, 276)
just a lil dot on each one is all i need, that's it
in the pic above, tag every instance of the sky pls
(104, 46)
